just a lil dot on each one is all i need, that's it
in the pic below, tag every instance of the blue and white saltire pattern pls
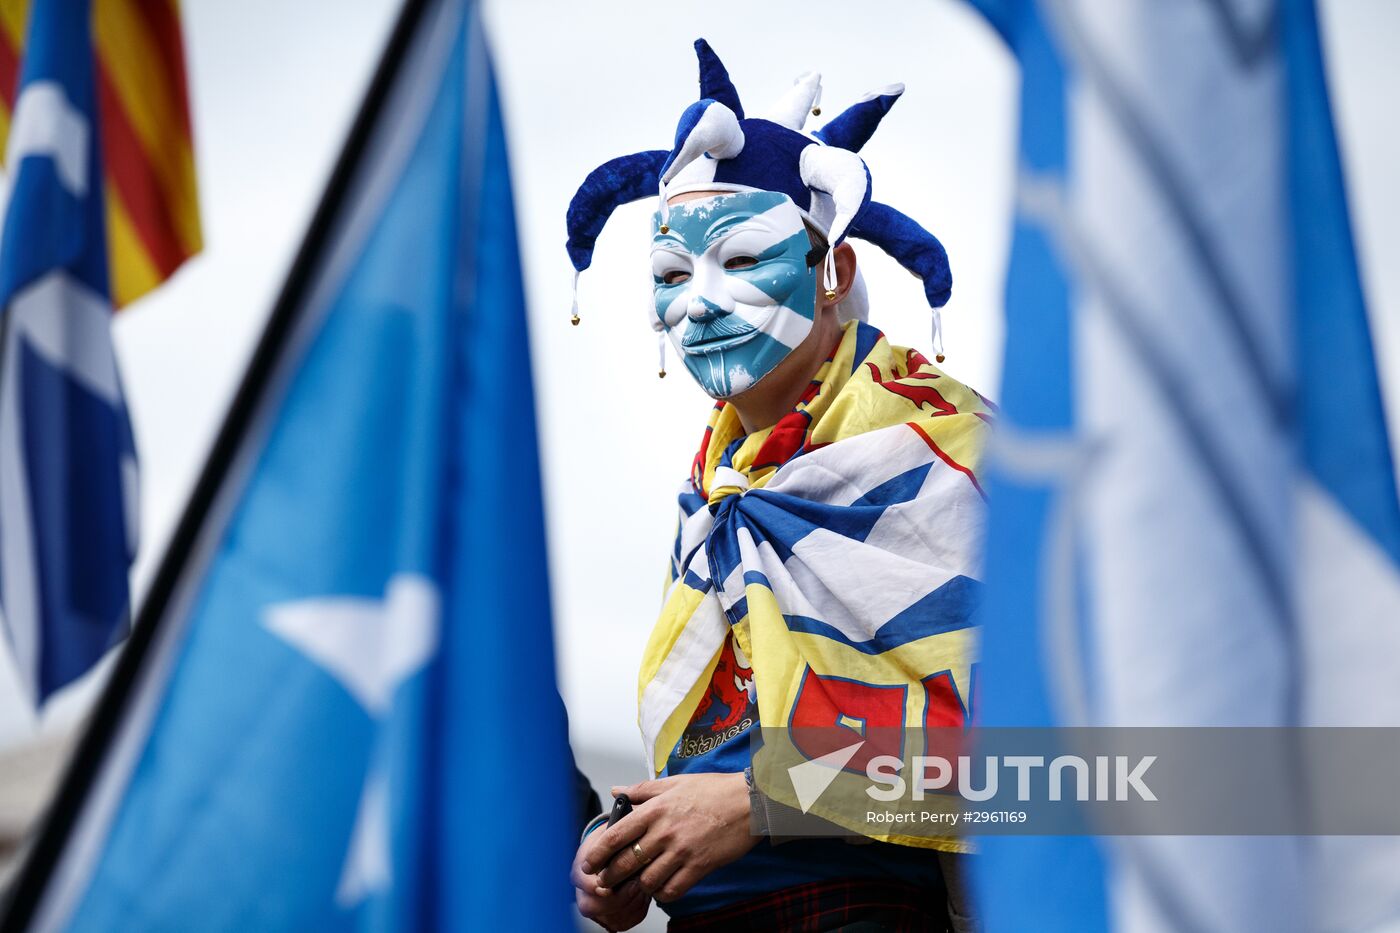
(733, 325)
(1196, 518)
(350, 720)
(67, 462)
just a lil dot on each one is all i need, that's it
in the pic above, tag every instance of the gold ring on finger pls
(642, 857)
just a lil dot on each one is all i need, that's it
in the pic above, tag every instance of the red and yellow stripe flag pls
(147, 148)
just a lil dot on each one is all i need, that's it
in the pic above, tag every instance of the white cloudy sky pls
(275, 84)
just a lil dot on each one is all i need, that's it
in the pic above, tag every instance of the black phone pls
(620, 808)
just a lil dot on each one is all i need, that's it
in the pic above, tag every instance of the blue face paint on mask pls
(733, 289)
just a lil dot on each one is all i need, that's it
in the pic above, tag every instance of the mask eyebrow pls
(727, 224)
(670, 242)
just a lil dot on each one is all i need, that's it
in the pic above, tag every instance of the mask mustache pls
(717, 330)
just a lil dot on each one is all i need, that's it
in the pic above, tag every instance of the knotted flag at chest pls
(841, 546)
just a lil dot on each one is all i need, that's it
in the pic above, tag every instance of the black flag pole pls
(103, 722)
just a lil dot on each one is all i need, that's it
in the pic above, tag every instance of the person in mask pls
(827, 552)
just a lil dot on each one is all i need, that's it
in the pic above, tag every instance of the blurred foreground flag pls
(1194, 506)
(337, 709)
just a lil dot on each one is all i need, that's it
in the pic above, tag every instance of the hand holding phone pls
(620, 808)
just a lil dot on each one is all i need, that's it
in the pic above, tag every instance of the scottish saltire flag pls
(1194, 514)
(346, 715)
(94, 123)
(67, 462)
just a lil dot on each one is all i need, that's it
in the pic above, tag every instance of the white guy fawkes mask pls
(735, 291)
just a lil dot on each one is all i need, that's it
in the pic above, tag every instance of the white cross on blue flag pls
(67, 463)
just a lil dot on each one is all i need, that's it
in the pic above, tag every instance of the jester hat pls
(718, 148)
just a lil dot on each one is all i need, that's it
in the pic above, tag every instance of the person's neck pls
(777, 394)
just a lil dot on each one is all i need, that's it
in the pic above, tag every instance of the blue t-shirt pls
(717, 740)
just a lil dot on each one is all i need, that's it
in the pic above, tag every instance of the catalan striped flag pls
(147, 155)
(98, 207)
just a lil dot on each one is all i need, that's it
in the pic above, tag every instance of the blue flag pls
(1194, 510)
(349, 718)
(67, 463)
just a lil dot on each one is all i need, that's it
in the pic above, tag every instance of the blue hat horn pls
(714, 79)
(614, 183)
(857, 123)
(908, 244)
